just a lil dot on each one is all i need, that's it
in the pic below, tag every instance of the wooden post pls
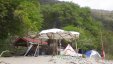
(37, 50)
(60, 46)
(76, 46)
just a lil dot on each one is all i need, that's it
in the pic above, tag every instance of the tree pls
(48, 1)
(18, 17)
(28, 13)
(59, 14)
(70, 16)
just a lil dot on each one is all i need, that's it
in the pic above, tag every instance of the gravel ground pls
(51, 60)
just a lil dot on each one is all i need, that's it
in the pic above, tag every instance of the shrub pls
(6, 54)
(83, 56)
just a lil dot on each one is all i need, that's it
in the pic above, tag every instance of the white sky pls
(94, 4)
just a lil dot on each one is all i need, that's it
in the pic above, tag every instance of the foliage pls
(48, 1)
(71, 17)
(6, 17)
(83, 56)
(17, 18)
(7, 54)
(59, 15)
(29, 15)
(87, 40)
(105, 17)
(109, 56)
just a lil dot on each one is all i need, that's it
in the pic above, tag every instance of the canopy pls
(54, 30)
(74, 34)
(58, 34)
(51, 34)
(24, 41)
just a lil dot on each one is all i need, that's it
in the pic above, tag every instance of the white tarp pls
(54, 30)
(58, 34)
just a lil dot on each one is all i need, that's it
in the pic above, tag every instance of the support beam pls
(37, 50)
(76, 46)
(60, 46)
(28, 49)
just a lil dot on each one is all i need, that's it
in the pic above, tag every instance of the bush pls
(6, 54)
(109, 57)
(83, 56)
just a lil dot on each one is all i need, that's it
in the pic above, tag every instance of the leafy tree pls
(48, 1)
(29, 15)
(70, 16)
(59, 14)
(86, 40)
(18, 17)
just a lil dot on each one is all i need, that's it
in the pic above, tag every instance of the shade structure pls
(31, 44)
(58, 34)
(74, 34)
(54, 30)
(25, 41)
(51, 33)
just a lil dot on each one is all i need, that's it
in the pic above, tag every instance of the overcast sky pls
(94, 4)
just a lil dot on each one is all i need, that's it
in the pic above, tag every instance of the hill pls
(106, 17)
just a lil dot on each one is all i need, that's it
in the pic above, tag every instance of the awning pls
(24, 41)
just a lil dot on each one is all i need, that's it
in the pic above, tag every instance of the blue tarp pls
(88, 53)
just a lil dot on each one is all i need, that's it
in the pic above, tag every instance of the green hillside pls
(106, 17)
